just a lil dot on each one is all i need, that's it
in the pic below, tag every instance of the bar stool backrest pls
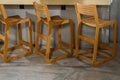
(41, 9)
(3, 11)
(88, 10)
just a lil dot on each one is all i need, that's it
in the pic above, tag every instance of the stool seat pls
(14, 20)
(91, 22)
(55, 20)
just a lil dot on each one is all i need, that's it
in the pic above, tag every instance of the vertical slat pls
(71, 36)
(6, 43)
(19, 34)
(48, 43)
(59, 36)
(114, 39)
(96, 45)
(78, 40)
(30, 34)
(37, 38)
(77, 13)
(2, 11)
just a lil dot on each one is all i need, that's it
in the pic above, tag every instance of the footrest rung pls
(58, 58)
(25, 43)
(43, 36)
(103, 61)
(15, 47)
(19, 56)
(24, 48)
(86, 39)
(41, 53)
(65, 44)
(101, 45)
(85, 58)
(65, 51)
(87, 52)
(105, 53)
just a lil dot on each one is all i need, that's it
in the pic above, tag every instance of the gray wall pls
(115, 14)
(69, 13)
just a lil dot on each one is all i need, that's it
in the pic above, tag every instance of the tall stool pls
(52, 21)
(92, 20)
(10, 21)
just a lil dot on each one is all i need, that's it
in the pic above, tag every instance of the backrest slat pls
(41, 9)
(3, 11)
(88, 10)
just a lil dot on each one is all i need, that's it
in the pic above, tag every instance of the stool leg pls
(114, 38)
(96, 45)
(71, 36)
(48, 43)
(37, 38)
(77, 40)
(59, 36)
(19, 34)
(30, 35)
(5, 52)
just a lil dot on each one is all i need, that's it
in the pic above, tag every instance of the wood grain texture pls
(15, 2)
(55, 2)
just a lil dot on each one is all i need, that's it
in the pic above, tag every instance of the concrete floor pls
(33, 67)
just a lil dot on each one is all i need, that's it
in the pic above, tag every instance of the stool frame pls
(52, 21)
(11, 21)
(97, 23)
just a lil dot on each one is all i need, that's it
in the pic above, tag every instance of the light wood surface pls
(94, 21)
(15, 2)
(72, 2)
(55, 2)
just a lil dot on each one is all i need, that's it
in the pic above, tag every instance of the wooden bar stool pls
(92, 20)
(52, 21)
(10, 21)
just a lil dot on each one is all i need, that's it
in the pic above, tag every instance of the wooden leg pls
(5, 52)
(37, 38)
(30, 35)
(71, 35)
(19, 34)
(59, 36)
(114, 40)
(77, 40)
(96, 46)
(48, 43)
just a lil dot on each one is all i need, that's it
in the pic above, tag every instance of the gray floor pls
(33, 67)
